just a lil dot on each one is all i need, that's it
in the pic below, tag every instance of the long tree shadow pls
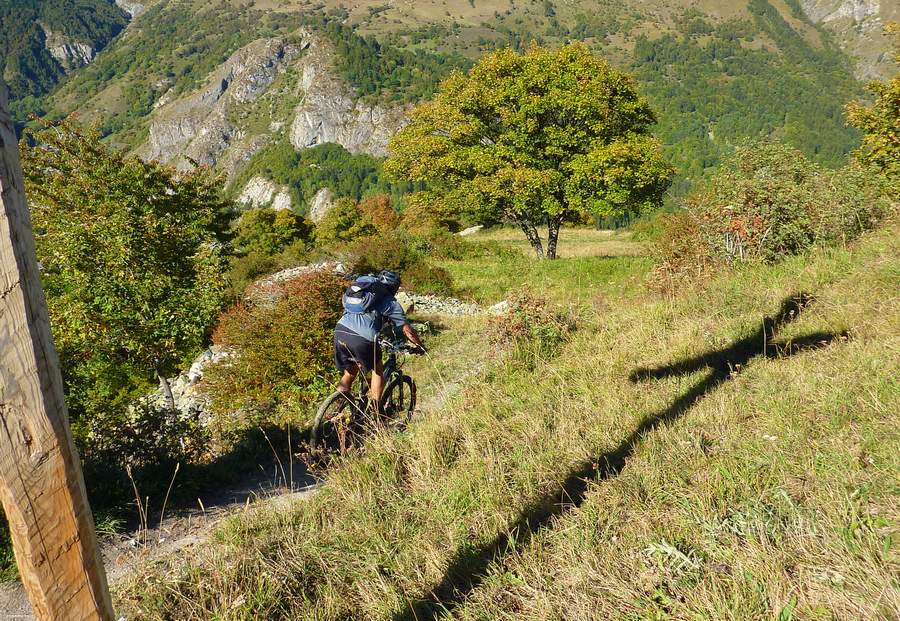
(469, 567)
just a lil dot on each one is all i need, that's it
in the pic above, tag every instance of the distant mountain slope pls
(42, 40)
(858, 25)
(717, 71)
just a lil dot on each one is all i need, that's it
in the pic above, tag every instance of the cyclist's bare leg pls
(377, 382)
(346, 382)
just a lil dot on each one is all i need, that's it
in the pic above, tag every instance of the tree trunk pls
(531, 233)
(166, 388)
(41, 483)
(553, 226)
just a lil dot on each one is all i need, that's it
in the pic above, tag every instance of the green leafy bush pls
(343, 223)
(282, 355)
(403, 253)
(268, 231)
(132, 268)
(764, 203)
(768, 201)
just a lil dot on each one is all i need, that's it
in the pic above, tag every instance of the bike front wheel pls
(398, 400)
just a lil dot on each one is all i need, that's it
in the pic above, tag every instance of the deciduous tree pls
(880, 124)
(131, 268)
(531, 137)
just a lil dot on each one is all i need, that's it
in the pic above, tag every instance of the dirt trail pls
(180, 529)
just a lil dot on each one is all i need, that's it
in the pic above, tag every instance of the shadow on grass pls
(469, 567)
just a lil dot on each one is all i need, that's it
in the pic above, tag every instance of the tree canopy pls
(880, 124)
(131, 269)
(533, 137)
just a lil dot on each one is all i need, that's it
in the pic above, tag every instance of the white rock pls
(471, 230)
(499, 308)
(261, 192)
(132, 8)
(258, 192)
(321, 204)
(282, 200)
(436, 305)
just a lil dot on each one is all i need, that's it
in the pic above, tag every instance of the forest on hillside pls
(28, 67)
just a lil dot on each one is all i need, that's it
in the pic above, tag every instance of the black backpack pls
(363, 294)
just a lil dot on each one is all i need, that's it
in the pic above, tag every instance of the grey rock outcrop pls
(189, 396)
(436, 305)
(68, 53)
(260, 192)
(330, 112)
(858, 26)
(240, 108)
(320, 205)
(132, 8)
(200, 127)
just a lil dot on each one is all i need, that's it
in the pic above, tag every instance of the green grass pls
(594, 263)
(767, 489)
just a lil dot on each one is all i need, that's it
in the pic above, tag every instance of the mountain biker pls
(367, 303)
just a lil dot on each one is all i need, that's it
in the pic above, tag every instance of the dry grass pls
(573, 242)
(760, 487)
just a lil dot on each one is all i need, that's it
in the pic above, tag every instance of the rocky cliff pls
(70, 54)
(265, 88)
(261, 192)
(858, 26)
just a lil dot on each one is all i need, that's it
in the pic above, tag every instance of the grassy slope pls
(768, 489)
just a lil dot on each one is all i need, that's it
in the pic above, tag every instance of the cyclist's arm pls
(398, 318)
(412, 336)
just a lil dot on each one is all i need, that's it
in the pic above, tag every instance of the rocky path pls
(179, 529)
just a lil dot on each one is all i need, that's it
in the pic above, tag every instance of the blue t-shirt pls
(368, 325)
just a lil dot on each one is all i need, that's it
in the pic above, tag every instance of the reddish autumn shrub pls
(764, 203)
(282, 354)
(379, 211)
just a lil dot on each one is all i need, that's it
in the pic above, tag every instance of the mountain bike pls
(344, 417)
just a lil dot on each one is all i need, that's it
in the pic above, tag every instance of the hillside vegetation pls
(29, 29)
(726, 453)
(715, 73)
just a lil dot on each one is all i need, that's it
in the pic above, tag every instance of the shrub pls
(425, 278)
(767, 202)
(426, 214)
(531, 327)
(246, 269)
(678, 250)
(405, 254)
(759, 204)
(268, 231)
(378, 210)
(649, 227)
(282, 358)
(343, 223)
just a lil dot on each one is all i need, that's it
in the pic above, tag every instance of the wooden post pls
(41, 484)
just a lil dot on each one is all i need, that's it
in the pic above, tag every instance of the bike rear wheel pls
(335, 422)
(398, 401)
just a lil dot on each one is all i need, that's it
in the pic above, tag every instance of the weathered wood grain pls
(41, 484)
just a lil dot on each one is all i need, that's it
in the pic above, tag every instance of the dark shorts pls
(351, 350)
